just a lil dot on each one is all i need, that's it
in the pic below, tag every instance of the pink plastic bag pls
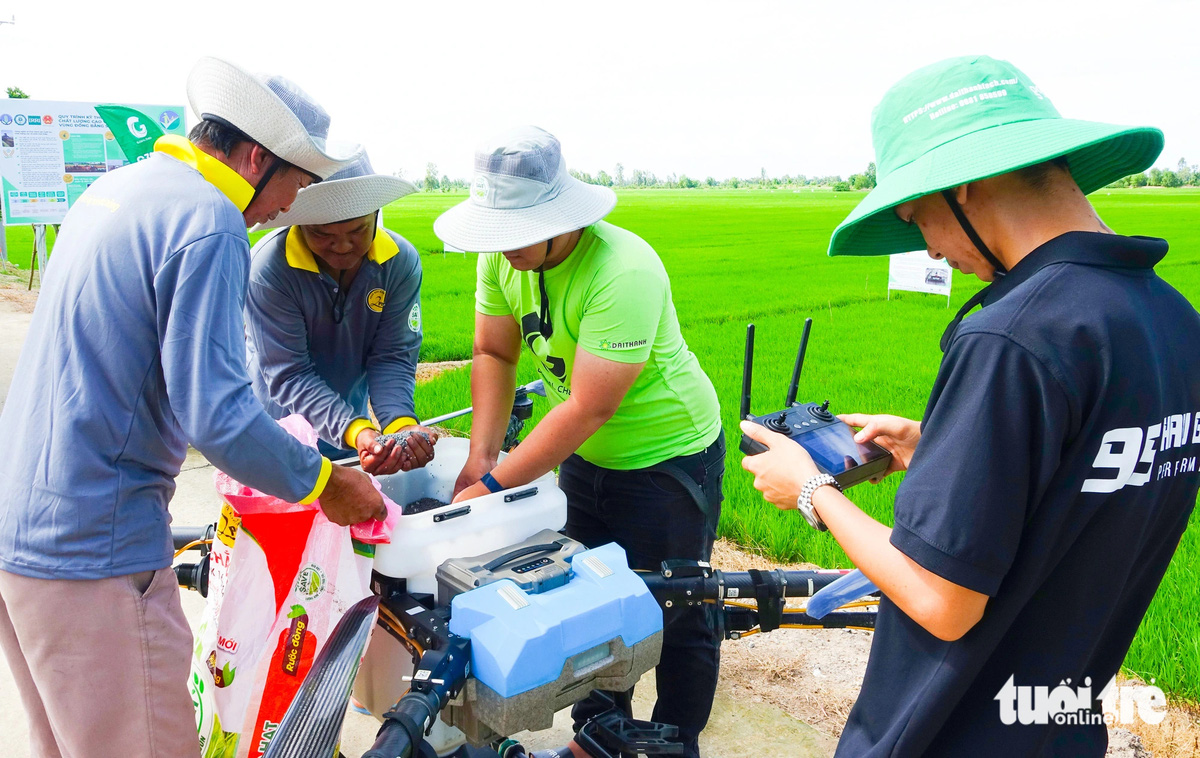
(246, 500)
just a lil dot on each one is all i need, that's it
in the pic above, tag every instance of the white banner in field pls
(917, 272)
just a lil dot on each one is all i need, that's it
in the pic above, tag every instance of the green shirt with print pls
(611, 297)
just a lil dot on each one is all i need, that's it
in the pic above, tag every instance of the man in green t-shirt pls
(635, 428)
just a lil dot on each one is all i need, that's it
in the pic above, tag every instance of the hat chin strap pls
(997, 266)
(544, 324)
(276, 164)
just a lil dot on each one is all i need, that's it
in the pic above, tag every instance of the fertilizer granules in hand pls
(422, 505)
(401, 438)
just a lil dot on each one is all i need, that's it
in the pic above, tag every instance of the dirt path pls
(14, 288)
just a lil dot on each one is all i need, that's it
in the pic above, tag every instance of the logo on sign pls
(21, 120)
(136, 127)
(48, 120)
(5, 119)
(168, 119)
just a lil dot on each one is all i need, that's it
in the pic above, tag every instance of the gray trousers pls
(101, 665)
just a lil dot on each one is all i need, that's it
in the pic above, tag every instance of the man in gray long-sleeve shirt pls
(334, 318)
(135, 349)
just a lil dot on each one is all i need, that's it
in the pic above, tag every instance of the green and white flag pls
(133, 130)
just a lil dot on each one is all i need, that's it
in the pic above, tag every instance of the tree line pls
(1184, 175)
(639, 179)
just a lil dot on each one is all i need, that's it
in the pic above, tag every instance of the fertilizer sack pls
(281, 577)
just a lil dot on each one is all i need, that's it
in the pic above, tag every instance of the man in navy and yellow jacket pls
(334, 319)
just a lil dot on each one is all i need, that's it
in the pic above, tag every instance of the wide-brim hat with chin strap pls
(966, 119)
(521, 195)
(270, 110)
(351, 193)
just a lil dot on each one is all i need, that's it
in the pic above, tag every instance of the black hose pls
(404, 726)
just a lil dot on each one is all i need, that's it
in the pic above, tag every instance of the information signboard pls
(50, 152)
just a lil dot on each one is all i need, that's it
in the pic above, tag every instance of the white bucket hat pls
(271, 110)
(521, 195)
(353, 192)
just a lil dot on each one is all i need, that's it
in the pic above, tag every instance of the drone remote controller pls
(828, 440)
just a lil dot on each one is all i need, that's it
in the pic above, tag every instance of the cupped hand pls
(418, 443)
(378, 458)
(407, 449)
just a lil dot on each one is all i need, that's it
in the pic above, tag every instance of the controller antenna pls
(747, 371)
(791, 396)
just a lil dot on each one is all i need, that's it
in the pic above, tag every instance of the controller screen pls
(834, 449)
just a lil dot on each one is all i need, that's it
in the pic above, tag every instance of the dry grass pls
(427, 371)
(14, 288)
(1176, 735)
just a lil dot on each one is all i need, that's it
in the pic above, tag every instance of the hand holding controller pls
(827, 439)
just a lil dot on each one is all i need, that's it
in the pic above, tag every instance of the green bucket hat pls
(965, 119)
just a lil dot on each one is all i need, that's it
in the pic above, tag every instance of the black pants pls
(654, 517)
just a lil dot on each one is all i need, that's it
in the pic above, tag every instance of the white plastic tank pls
(421, 542)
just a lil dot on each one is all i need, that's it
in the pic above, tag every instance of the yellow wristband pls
(399, 424)
(322, 480)
(356, 427)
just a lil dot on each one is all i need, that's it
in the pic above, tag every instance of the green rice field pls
(739, 256)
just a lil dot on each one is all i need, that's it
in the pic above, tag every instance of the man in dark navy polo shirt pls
(1055, 468)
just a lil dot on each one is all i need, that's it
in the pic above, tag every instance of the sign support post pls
(37, 256)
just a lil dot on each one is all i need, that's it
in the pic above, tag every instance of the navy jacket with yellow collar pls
(302, 360)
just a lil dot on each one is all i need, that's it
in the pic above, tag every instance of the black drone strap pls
(968, 306)
(544, 325)
(768, 592)
(972, 234)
